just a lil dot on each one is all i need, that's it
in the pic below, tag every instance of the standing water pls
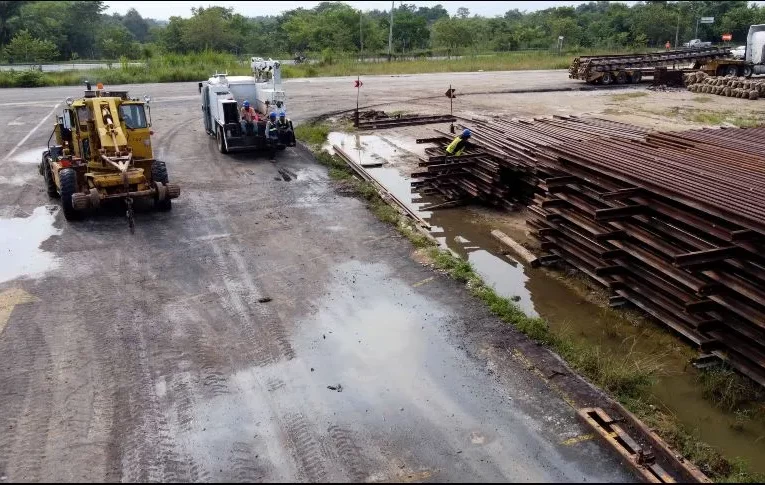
(468, 233)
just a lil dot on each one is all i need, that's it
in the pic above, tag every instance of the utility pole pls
(361, 35)
(390, 33)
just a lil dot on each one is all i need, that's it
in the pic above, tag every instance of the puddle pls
(469, 235)
(29, 156)
(20, 239)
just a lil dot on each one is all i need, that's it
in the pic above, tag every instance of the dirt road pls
(202, 347)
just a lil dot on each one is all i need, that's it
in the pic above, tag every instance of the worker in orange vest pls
(667, 45)
(248, 118)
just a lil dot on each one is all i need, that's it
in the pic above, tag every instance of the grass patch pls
(701, 99)
(626, 96)
(712, 117)
(728, 389)
(625, 375)
(315, 134)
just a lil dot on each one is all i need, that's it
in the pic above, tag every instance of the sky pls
(164, 10)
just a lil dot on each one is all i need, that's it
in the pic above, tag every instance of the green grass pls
(163, 68)
(315, 134)
(626, 376)
(626, 96)
(200, 66)
(697, 115)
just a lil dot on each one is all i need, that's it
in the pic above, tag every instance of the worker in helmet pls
(248, 117)
(286, 130)
(458, 145)
(272, 135)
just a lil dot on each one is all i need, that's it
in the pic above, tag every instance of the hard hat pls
(246, 104)
(282, 114)
(466, 133)
(272, 115)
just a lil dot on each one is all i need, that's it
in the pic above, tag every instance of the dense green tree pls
(24, 48)
(81, 29)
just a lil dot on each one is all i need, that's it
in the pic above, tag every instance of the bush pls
(27, 79)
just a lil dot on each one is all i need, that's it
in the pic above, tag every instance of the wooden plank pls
(524, 253)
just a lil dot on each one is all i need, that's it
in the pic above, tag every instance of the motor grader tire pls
(606, 79)
(159, 175)
(221, 140)
(731, 70)
(746, 71)
(68, 179)
(50, 183)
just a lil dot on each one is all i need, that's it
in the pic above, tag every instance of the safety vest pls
(453, 146)
(283, 124)
(272, 130)
(249, 114)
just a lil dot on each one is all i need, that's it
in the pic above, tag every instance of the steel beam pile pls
(476, 174)
(673, 223)
(501, 171)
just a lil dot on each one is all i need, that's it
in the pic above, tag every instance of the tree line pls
(38, 31)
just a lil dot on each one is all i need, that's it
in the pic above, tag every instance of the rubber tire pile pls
(731, 86)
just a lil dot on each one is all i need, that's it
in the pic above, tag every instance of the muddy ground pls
(202, 347)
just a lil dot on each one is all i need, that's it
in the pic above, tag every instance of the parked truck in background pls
(697, 43)
(701, 56)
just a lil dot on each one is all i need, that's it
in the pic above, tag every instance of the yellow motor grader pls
(103, 153)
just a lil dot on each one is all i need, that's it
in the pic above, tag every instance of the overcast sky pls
(164, 10)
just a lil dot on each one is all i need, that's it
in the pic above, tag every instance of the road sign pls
(727, 37)
(450, 93)
(707, 20)
(357, 84)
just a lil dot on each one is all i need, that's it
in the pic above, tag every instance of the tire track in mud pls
(25, 435)
(349, 453)
(148, 454)
(305, 447)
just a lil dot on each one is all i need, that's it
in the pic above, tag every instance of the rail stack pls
(673, 223)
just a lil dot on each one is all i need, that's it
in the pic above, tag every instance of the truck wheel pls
(621, 77)
(731, 70)
(50, 183)
(636, 77)
(606, 79)
(746, 71)
(68, 178)
(159, 174)
(221, 140)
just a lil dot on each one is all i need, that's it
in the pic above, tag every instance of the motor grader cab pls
(103, 153)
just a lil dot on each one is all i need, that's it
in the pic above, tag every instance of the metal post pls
(358, 89)
(390, 33)
(451, 106)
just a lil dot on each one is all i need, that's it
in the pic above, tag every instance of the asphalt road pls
(157, 357)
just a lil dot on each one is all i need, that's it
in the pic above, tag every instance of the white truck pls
(222, 98)
(697, 43)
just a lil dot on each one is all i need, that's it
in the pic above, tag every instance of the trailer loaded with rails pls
(630, 68)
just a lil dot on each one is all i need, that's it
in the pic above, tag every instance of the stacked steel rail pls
(583, 66)
(673, 223)
(500, 172)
